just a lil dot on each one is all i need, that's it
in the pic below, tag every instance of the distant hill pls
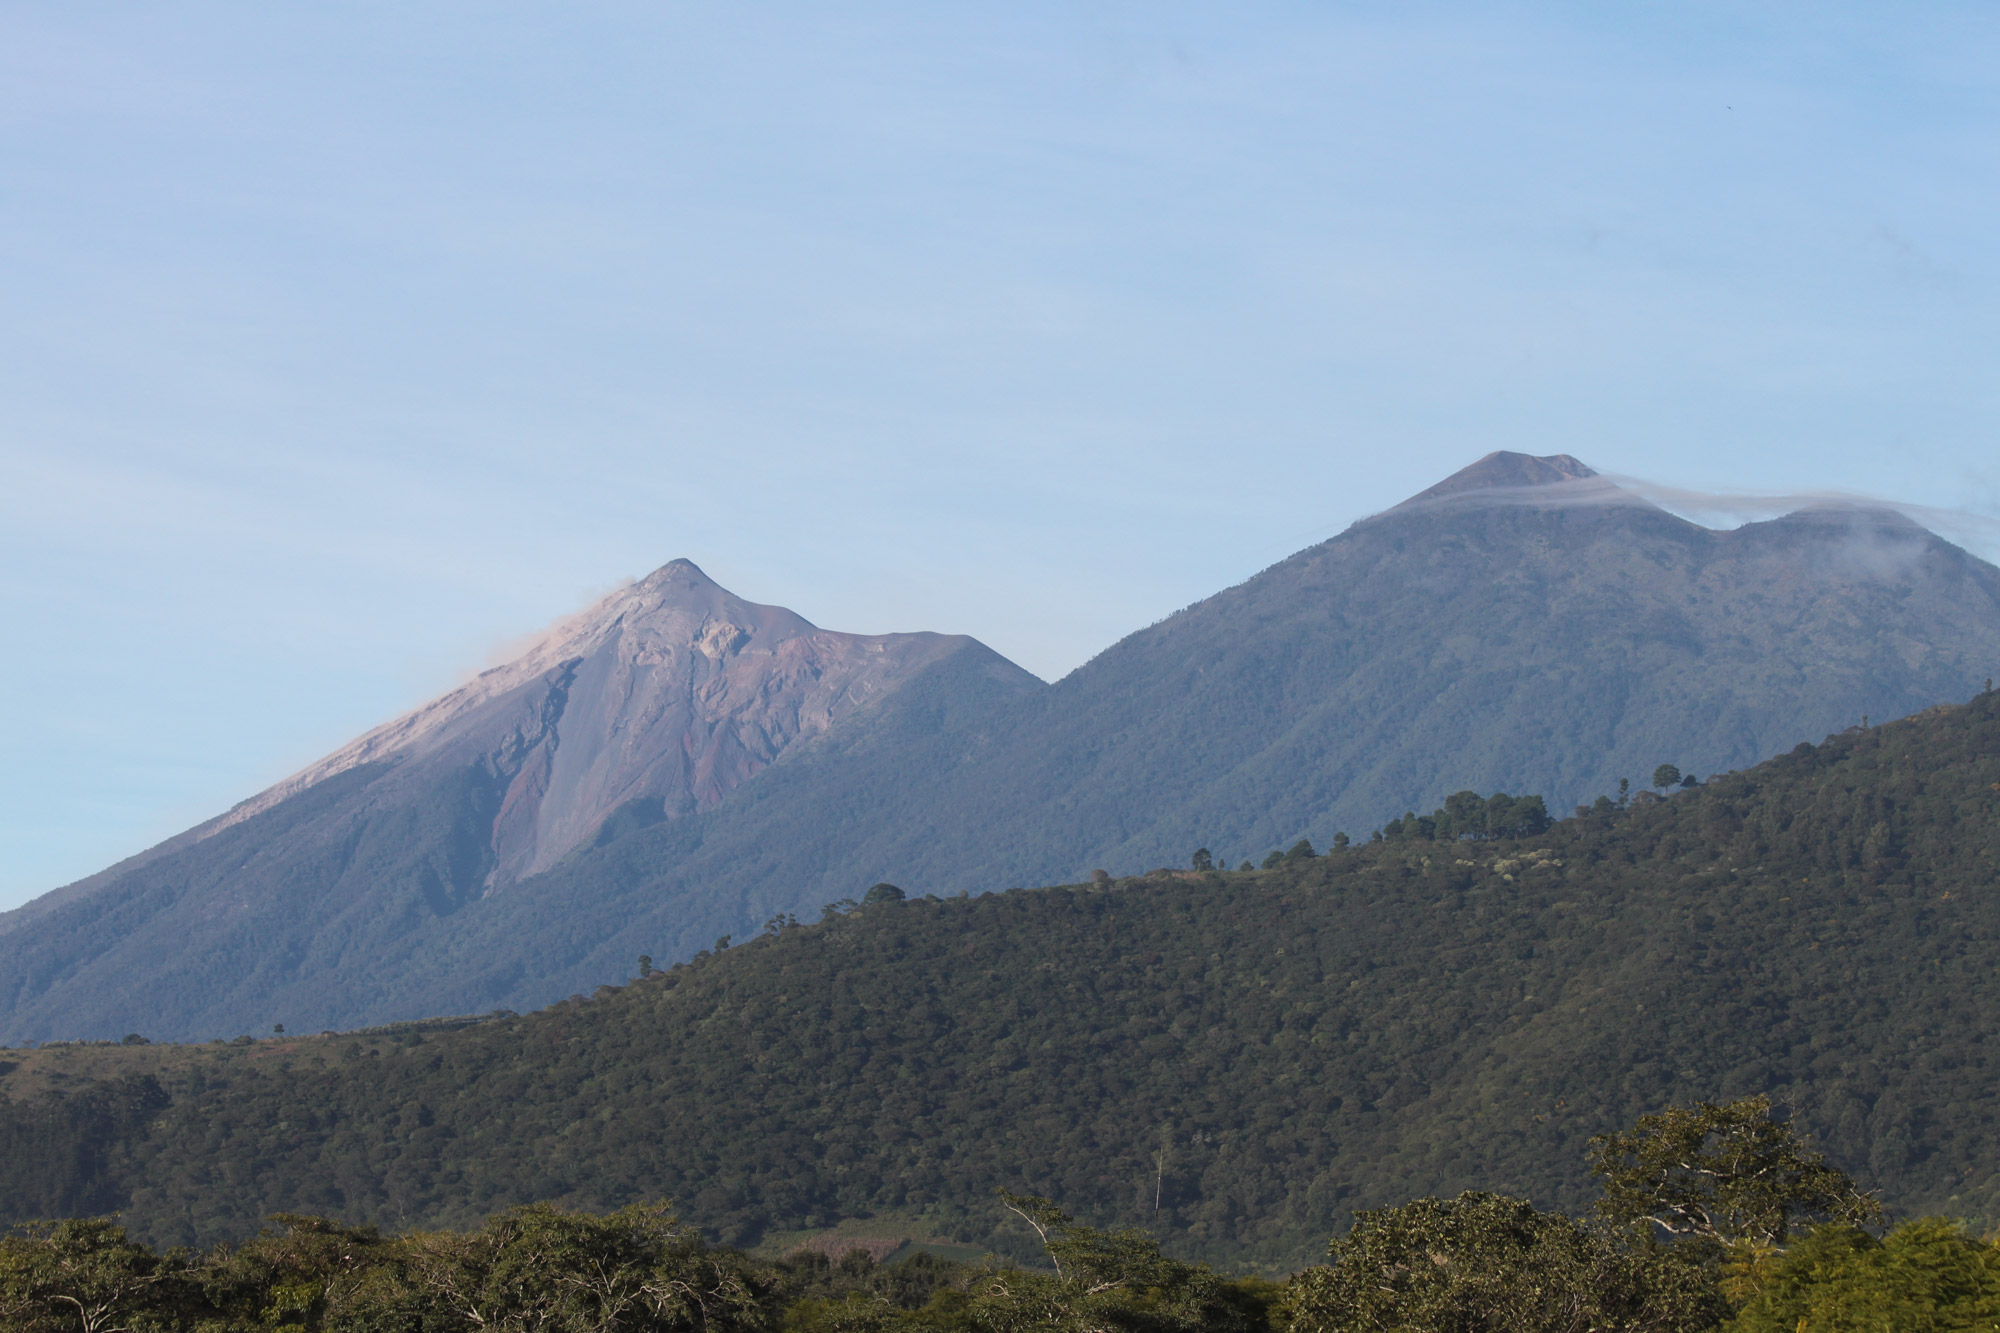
(1260, 1052)
(1522, 625)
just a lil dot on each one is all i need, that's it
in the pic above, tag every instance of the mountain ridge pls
(1527, 628)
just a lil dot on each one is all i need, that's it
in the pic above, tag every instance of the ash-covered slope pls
(665, 696)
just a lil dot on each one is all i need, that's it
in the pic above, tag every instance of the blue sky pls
(344, 344)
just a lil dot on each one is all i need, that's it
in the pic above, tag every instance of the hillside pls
(681, 765)
(1264, 1051)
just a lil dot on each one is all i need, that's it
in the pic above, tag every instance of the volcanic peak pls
(1504, 470)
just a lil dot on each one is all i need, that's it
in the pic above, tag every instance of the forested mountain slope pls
(1259, 1052)
(691, 766)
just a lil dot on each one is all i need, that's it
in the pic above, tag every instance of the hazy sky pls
(344, 343)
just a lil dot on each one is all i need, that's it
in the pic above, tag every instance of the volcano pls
(677, 765)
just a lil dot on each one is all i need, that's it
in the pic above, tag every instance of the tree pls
(1926, 1276)
(879, 894)
(1724, 1174)
(1103, 1280)
(1302, 850)
(1516, 816)
(646, 963)
(1467, 815)
(637, 1270)
(304, 1273)
(1203, 859)
(1665, 776)
(84, 1276)
(1464, 815)
(1412, 827)
(1486, 1263)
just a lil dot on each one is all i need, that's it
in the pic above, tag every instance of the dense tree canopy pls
(546, 1269)
(1723, 1174)
(1925, 1276)
(1484, 1263)
(1233, 1061)
(1477, 1263)
(1467, 815)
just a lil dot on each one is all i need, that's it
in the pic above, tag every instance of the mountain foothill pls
(1233, 1061)
(675, 765)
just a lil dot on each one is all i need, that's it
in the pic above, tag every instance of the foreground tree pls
(1485, 1263)
(85, 1276)
(541, 1267)
(1103, 1280)
(1925, 1276)
(1728, 1174)
(305, 1273)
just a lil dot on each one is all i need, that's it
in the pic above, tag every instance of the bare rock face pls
(672, 690)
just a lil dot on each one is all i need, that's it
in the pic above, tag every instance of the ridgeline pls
(679, 763)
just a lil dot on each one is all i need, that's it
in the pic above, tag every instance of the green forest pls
(1711, 1217)
(1235, 1062)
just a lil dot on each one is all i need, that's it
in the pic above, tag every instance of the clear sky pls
(344, 343)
